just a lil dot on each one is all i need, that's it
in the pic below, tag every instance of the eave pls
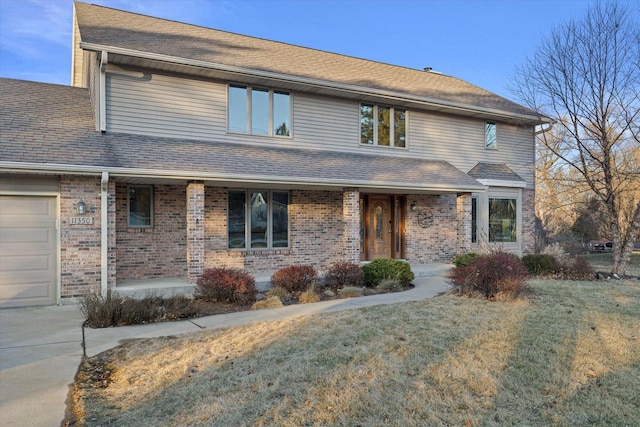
(171, 64)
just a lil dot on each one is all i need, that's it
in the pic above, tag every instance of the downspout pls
(104, 233)
(102, 118)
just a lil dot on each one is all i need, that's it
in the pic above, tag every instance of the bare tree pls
(586, 75)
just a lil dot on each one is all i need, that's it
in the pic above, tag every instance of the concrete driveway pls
(39, 355)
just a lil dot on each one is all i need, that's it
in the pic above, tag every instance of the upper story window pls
(259, 111)
(385, 126)
(490, 135)
(140, 206)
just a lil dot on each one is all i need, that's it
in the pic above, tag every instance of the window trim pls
(247, 220)
(151, 208)
(249, 111)
(392, 119)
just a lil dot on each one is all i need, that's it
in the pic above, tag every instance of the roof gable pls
(102, 26)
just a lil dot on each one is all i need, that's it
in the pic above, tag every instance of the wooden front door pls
(379, 227)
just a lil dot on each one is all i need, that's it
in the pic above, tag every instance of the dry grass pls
(269, 302)
(570, 355)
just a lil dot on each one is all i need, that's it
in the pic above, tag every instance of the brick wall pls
(463, 208)
(351, 221)
(195, 231)
(528, 222)
(161, 251)
(438, 242)
(316, 233)
(80, 249)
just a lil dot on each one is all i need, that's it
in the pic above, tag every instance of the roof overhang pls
(150, 176)
(171, 64)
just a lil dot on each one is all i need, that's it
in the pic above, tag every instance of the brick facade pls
(80, 250)
(160, 251)
(351, 222)
(316, 233)
(463, 208)
(195, 231)
(439, 241)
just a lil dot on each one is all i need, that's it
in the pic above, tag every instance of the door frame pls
(397, 213)
(58, 265)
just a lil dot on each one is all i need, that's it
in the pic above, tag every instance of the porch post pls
(463, 208)
(195, 230)
(351, 224)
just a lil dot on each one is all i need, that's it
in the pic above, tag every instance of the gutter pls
(205, 176)
(104, 234)
(427, 101)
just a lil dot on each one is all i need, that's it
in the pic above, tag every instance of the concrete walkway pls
(40, 348)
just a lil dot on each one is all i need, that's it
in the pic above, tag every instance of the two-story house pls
(180, 148)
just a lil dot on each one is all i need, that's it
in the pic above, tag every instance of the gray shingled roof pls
(497, 171)
(110, 27)
(43, 123)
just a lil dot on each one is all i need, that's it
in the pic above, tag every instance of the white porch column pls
(195, 231)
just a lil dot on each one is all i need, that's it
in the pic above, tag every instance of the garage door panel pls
(27, 251)
(24, 206)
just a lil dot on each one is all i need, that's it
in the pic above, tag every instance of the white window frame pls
(249, 112)
(247, 220)
(495, 142)
(392, 130)
(482, 218)
(151, 209)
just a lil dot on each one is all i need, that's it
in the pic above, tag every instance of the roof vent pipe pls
(427, 69)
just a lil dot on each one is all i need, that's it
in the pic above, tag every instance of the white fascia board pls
(206, 176)
(427, 101)
(502, 183)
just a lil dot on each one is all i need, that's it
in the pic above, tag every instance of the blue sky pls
(478, 41)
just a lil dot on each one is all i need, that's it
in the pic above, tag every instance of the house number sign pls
(81, 220)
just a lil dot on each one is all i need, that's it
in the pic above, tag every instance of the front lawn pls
(568, 355)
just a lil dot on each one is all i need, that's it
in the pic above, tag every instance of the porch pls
(179, 286)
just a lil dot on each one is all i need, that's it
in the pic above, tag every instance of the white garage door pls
(27, 250)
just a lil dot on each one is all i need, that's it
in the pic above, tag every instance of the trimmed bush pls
(295, 278)
(343, 274)
(385, 268)
(462, 260)
(540, 264)
(498, 274)
(226, 285)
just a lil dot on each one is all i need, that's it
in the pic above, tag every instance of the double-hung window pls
(258, 219)
(140, 206)
(259, 111)
(384, 126)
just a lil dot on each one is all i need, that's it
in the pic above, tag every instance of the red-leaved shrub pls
(343, 274)
(226, 285)
(491, 275)
(295, 278)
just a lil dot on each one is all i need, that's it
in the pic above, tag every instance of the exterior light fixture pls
(413, 207)
(81, 208)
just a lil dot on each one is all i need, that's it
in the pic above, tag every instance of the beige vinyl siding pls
(77, 56)
(326, 123)
(174, 106)
(460, 141)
